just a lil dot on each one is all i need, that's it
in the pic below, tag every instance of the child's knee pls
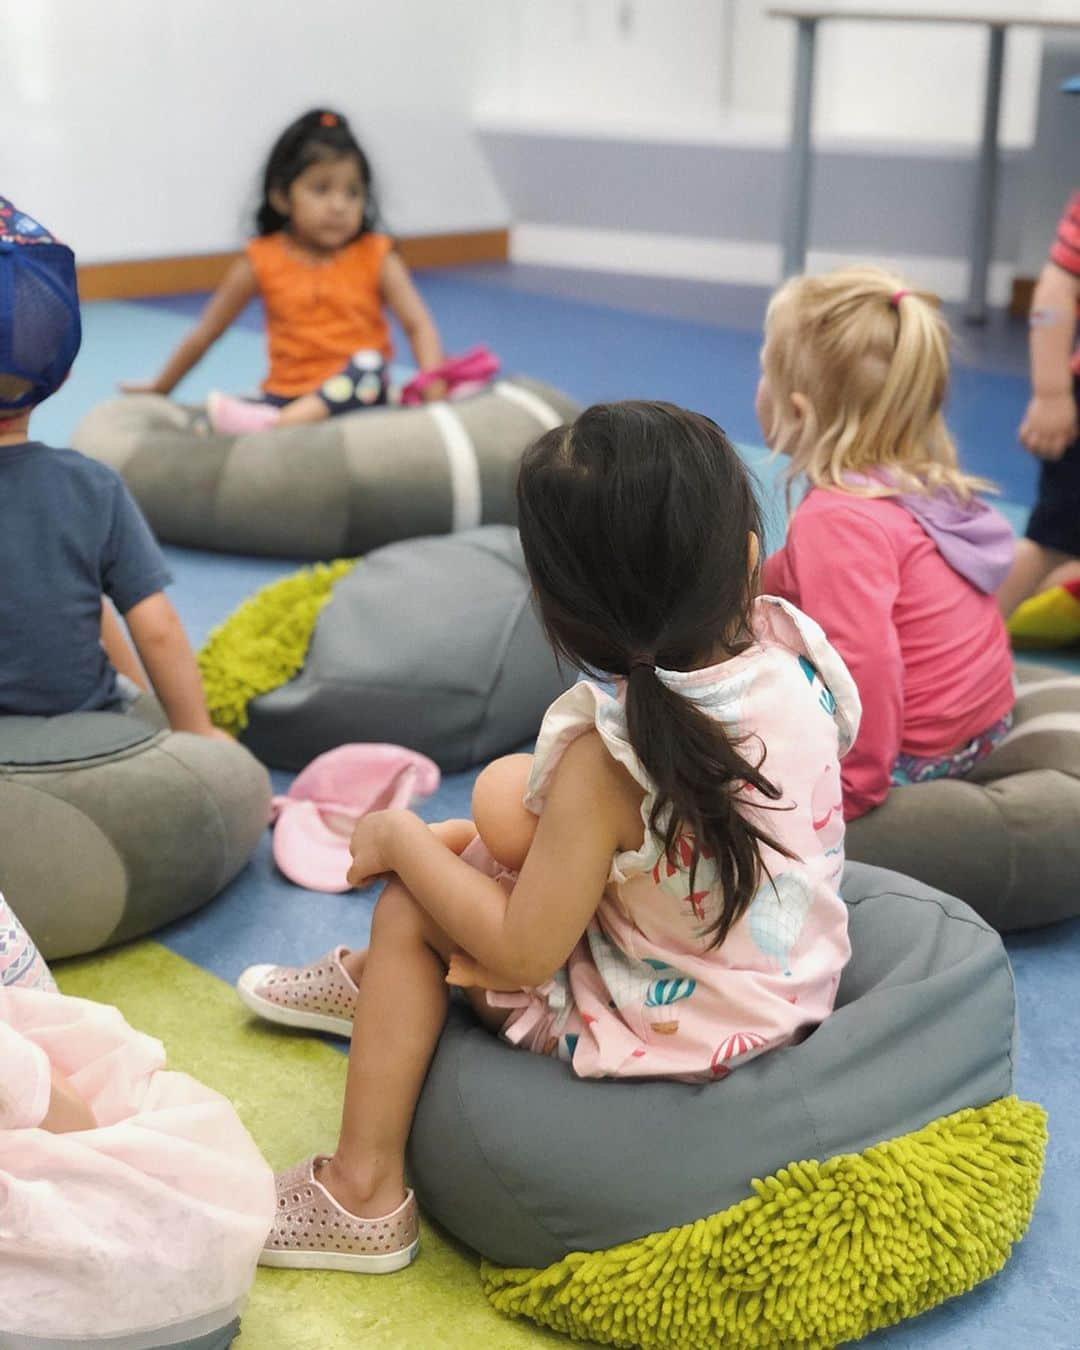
(502, 820)
(397, 915)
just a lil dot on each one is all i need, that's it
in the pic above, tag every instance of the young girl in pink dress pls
(890, 550)
(676, 911)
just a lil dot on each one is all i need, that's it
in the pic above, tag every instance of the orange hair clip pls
(329, 119)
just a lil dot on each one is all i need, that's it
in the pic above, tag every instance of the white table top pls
(1068, 17)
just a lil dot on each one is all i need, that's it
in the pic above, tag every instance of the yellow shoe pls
(1049, 619)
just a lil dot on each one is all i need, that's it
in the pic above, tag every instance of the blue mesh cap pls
(40, 329)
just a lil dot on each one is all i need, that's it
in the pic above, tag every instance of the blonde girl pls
(890, 550)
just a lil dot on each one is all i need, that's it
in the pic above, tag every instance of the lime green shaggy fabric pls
(822, 1253)
(263, 643)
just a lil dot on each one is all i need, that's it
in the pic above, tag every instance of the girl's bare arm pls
(528, 937)
(238, 288)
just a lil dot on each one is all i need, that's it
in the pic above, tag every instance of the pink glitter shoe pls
(230, 416)
(319, 997)
(312, 1232)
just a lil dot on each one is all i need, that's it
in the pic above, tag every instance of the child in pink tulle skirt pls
(133, 1203)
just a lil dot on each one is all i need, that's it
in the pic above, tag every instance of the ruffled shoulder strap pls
(782, 623)
(584, 707)
(588, 707)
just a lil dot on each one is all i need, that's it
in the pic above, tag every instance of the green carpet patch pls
(288, 1088)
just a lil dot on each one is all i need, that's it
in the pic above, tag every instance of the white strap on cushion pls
(532, 403)
(467, 497)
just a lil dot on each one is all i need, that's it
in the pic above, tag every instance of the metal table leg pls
(797, 207)
(982, 234)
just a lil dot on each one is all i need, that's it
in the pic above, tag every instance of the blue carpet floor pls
(681, 344)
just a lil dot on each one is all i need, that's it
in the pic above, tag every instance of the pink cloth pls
(466, 373)
(643, 993)
(928, 651)
(154, 1219)
(315, 819)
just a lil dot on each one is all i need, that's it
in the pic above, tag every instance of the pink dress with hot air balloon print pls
(643, 994)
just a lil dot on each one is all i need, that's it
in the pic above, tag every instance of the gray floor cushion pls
(1007, 838)
(111, 826)
(526, 1164)
(335, 489)
(429, 643)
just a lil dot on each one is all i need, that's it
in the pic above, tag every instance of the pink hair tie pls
(896, 297)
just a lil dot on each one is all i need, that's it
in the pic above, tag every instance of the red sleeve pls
(1065, 250)
(847, 578)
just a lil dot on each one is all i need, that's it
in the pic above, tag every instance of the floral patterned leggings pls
(956, 764)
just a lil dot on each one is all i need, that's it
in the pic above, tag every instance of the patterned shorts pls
(363, 383)
(956, 764)
(20, 962)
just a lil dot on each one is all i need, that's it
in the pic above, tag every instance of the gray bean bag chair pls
(429, 643)
(111, 826)
(338, 488)
(1007, 838)
(897, 1168)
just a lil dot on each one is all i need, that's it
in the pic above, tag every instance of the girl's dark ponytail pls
(698, 773)
(636, 524)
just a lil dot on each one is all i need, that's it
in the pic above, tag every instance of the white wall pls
(137, 128)
(700, 65)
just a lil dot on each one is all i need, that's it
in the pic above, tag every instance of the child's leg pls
(1031, 567)
(361, 384)
(457, 835)
(1064, 575)
(400, 1012)
(306, 408)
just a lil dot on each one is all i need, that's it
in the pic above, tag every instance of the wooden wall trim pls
(203, 271)
(1023, 288)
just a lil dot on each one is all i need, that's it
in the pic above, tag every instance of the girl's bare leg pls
(1031, 566)
(457, 835)
(1063, 575)
(399, 1015)
(306, 408)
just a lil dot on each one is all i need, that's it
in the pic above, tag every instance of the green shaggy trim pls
(820, 1254)
(264, 642)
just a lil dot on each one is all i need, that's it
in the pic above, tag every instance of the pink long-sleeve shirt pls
(927, 649)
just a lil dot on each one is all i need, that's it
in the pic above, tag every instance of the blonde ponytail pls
(872, 359)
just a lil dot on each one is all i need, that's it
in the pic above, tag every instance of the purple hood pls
(973, 538)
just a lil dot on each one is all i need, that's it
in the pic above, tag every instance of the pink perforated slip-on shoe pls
(318, 997)
(312, 1232)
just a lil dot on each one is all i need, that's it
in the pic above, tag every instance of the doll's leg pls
(502, 820)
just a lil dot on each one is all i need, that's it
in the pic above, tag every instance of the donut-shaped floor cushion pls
(896, 1169)
(331, 489)
(1006, 839)
(429, 643)
(111, 827)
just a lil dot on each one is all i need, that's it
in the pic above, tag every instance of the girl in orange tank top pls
(326, 278)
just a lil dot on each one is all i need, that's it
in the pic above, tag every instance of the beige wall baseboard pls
(202, 272)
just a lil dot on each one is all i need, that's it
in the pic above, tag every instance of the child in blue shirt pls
(70, 534)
